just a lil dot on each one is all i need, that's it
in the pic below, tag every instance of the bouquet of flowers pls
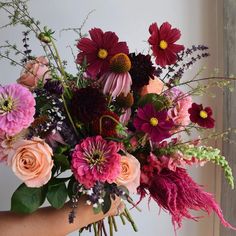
(115, 128)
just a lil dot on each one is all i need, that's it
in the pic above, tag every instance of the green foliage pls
(57, 193)
(204, 153)
(160, 102)
(27, 200)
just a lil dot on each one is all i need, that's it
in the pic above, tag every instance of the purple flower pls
(16, 108)
(155, 123)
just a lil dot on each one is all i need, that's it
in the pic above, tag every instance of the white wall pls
(130, 19)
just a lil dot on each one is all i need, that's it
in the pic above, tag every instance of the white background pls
(199, 21)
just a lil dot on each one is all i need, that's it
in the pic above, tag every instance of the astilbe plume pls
(176, 192)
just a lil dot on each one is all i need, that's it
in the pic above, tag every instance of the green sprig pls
(203, 153)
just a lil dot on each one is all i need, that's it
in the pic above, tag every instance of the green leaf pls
(27, 200)
(97, 209)
(160, 102)
(61, 161)
(107, 204)
(57, 194)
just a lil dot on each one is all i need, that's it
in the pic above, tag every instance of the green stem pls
(95, 229)
(129, 217)
(109, 117)
(122, 219)
(110, 225)
(69, 116)
(114, 223)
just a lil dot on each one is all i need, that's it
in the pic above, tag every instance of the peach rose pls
(31, 161)
(155, 86)
(130, 173)
(34, 71)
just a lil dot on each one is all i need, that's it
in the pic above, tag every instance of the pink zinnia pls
(98, 50)
(16, 108)
(96, 159)
(162, 41)
(155, 123)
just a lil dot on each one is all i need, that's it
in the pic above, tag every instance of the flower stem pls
(122, 219)
(110, 225)
(69, 116)
(109, 117)
(129, 217)
(114, 223)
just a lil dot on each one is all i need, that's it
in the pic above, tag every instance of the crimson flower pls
(163, 45)
(201, 116)
(98, 50)
(155, 123)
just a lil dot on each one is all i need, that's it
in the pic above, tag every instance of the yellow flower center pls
(163, 44)
(203, 114)
(6, 105)
(120, 63)
(102, 53)
(154, 121)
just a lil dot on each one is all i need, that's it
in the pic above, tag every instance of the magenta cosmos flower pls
(96, 159)
(163, 45)
(201, 116)
(98, 50)
(156, 124)
(16, 108)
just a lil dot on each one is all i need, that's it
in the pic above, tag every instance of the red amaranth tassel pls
(178, 193)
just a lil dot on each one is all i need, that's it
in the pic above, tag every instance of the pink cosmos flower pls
(16, 108)
(98, 50)
(96, 159)
(115, 84)
(162, 41)
(154, 123)
(34, 71)
(181, 104)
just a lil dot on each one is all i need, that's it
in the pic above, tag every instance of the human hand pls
(117, 207)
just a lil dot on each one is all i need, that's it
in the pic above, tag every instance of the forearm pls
(47, 221)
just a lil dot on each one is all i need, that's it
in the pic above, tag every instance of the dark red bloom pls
(163, 45)
(155, 123)
(108, 121)
(201, 116)
(98, 50)
(176, 192)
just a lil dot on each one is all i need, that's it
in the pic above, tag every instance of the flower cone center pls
(203, 114)
(163, 44)
(120, 63)
(154, 121)
(102, 53)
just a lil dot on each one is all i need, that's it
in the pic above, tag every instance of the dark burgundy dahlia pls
(87, 104)
(141, 70)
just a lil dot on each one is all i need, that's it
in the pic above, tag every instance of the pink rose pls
(34, 71)
(130, 173)
(31, 161)
(155, 86)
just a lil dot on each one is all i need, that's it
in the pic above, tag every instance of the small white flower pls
(88, 202)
